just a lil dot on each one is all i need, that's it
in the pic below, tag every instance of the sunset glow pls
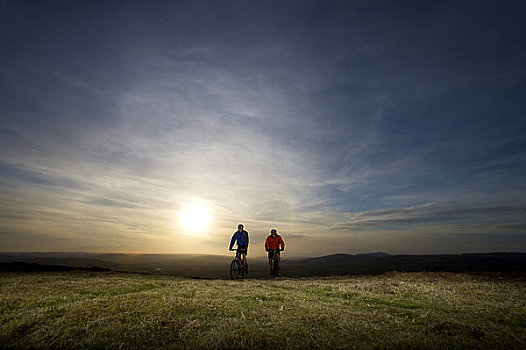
(194, 218)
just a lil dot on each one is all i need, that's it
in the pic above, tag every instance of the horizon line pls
(260, 255)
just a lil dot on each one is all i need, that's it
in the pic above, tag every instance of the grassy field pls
(394, 310)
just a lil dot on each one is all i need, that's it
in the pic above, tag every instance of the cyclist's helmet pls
(240, 226)
(273, 231)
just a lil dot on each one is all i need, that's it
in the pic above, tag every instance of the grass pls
(394, 310)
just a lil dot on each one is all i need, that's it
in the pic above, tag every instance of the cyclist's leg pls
(244, 255)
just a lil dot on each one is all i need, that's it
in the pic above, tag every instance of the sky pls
(349, 126)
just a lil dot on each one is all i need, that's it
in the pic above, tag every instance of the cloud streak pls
(432, 214)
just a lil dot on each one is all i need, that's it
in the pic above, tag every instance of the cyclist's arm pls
(234, 237)
(282, 243)
(267, 243)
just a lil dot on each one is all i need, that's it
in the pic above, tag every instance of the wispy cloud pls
(458, 219)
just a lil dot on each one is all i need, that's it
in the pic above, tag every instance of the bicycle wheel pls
(235, 269)
(244, 271)
(275, 267)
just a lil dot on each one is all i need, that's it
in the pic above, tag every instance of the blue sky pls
(350, 126)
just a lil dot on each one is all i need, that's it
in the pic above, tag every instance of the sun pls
(194, 217)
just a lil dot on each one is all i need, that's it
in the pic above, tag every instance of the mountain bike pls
(237, 268)
(275, 262)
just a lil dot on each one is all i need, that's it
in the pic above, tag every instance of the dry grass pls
(396, 310)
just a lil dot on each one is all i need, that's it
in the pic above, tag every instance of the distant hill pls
(22, 266)
(374, 255)
(214, 266)
(205, 266)
(346, 257)
(376, 263)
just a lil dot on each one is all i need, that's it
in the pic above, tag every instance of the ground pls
(393, 310)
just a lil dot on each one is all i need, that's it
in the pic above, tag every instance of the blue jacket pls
(242, 239)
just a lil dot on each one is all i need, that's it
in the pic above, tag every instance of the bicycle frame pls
(275, 262)
(237, 268)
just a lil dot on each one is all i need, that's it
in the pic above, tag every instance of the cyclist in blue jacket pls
(241, 236)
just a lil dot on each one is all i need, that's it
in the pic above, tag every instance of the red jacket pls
(274, 242)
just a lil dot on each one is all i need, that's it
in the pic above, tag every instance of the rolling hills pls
(214, 266)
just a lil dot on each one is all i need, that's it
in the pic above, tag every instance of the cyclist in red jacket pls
(272, 246)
